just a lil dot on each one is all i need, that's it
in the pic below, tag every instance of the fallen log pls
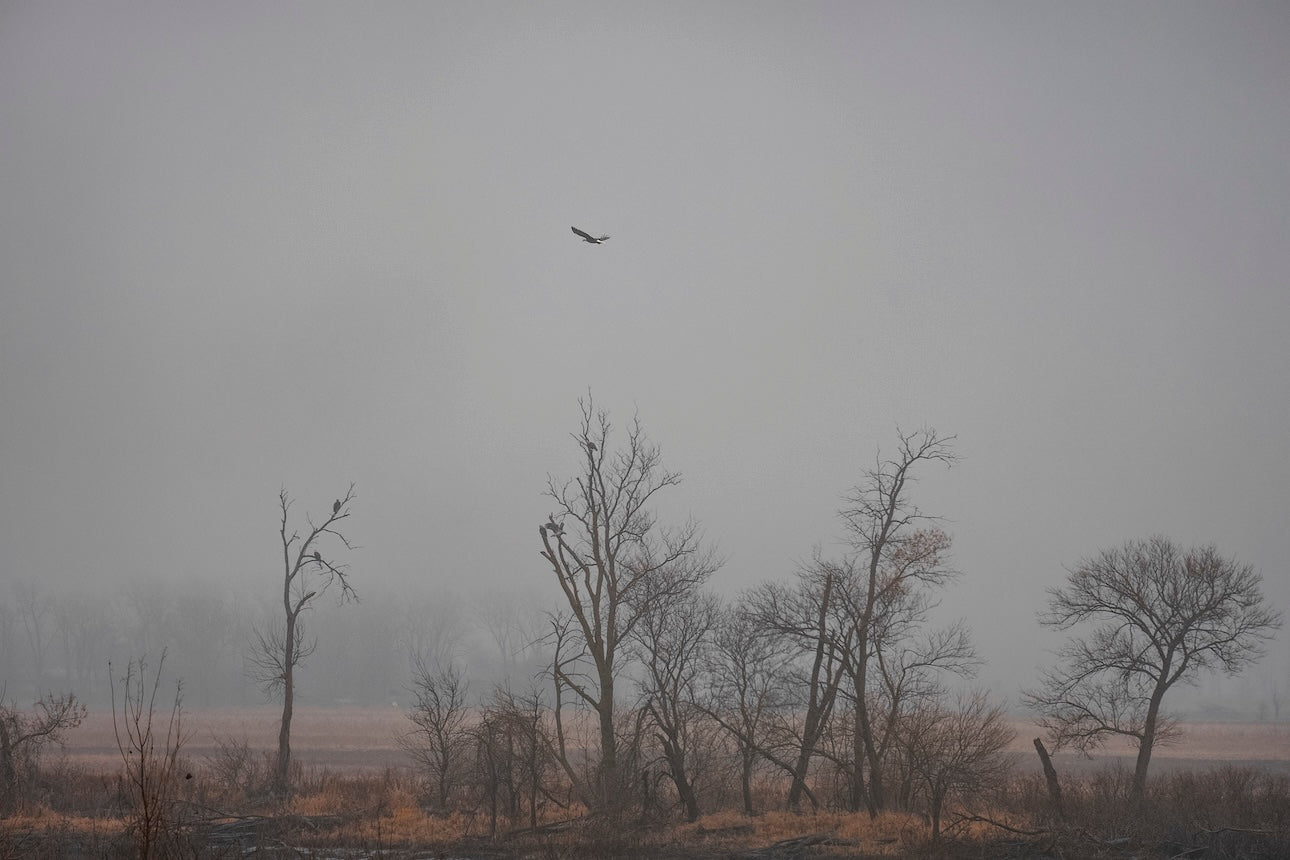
(792, 847)
(249, 828)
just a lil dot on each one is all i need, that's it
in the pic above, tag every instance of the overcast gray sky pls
(248, 245)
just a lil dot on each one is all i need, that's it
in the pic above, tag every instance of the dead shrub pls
(153, 770)
(235, 774)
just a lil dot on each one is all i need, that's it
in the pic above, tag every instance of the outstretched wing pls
(586, 236)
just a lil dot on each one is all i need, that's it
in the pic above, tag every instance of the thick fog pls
(247, 247)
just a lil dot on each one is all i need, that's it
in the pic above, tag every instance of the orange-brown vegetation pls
(1226, 787)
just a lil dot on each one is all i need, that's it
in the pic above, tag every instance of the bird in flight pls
(587, 237)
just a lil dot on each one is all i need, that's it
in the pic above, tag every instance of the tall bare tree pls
(1162, 616)
(894, 554)
(604, 547)
(306, 574)
(893, 661)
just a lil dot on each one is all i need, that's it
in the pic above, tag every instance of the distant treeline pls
(61, 639)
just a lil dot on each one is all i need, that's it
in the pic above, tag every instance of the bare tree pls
(956, 750)
(743, 689)
(306, 574)
(85, 631)
(208, 636)
(35, 612)
(803, 621)
(439, 741)
(429, 629)
(514, 625)
(517, 756)
(567, 659)
(604, 549)
(893, 555)
(673, 635)
(9, 661)
(151, 612)
(903, 662)
(24, 736)
(1162, 616)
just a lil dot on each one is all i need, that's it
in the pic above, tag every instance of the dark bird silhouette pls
(553, 527)
(335, 509)
(591, 446)
(587, 237)
(317, 556)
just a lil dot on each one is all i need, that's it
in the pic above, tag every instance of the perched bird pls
(553, 527)
(591, 446)
(317, 556)
(335, 509)
(587, 237)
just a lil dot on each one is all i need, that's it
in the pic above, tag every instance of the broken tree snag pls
(1050, 776)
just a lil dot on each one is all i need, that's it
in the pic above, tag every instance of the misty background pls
(246, 247)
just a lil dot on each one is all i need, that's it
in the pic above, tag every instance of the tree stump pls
(1050, 776)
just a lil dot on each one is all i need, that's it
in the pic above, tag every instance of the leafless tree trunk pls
(307, 573)
(604, 549)
(803, 618)
(1050, 778)
(882, 525)
(1162, 615)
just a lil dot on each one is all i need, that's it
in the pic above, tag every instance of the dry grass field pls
(358, 797)
(337, 738)
(1203, 744)
(352, 738)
